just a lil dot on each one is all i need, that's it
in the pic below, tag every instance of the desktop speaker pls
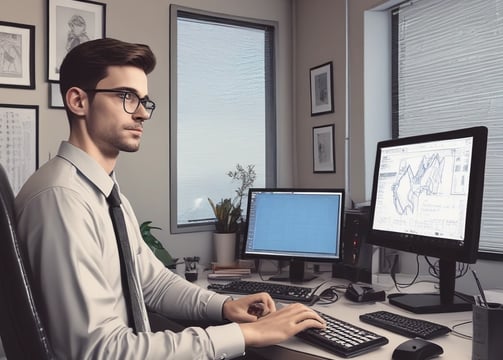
(356, 264)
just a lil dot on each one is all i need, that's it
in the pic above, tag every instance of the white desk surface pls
(455, 347)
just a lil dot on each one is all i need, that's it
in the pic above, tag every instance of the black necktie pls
(132, 294)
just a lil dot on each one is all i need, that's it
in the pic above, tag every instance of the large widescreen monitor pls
(295, 225)
(427, 199)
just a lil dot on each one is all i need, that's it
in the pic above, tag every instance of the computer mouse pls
(417, 349)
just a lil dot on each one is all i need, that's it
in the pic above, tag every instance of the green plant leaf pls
(155, 245)
(228, 212)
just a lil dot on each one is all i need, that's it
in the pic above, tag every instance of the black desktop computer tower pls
(356, 264)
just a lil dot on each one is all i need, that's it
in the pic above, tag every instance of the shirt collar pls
(88, 167)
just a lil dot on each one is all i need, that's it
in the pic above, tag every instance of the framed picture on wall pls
(17, 55)
(71, 22)
(322, 94)
(323, 149)
(18, 142)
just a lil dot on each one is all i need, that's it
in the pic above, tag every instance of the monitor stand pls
(296, 273)
(428, 303)
(446, 301)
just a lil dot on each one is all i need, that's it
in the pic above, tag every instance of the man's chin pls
(130, 147)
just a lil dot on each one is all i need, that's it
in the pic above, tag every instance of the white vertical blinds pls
(450, 75)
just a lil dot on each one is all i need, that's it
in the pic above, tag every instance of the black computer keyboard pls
(277, 291)
(342, 338)
(404, 325)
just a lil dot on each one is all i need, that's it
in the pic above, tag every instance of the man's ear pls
(77, 101)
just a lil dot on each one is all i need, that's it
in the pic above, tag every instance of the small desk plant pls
(228, 215)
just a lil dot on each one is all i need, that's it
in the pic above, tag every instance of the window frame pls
(270, 104)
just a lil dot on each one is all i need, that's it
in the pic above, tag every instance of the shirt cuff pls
(228, 341)
(214, 309)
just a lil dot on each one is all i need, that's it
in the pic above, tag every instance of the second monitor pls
(427, 199)
(295, 225)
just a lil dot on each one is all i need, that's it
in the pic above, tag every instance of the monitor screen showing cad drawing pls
(423, 188)
(427, 196)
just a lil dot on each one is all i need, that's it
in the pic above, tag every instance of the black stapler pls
(360, 293)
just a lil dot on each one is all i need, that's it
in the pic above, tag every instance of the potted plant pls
(155, 245)
(228, 215)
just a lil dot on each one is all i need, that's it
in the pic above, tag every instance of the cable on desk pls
(398, 285)
(328, 296)
(459, 334)
(433, 269)
(260, 273)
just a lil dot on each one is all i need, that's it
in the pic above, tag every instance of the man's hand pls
(248, 308)
(280, 325)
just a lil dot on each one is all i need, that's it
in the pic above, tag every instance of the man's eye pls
(128, 96)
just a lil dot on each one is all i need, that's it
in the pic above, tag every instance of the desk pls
(454, 346)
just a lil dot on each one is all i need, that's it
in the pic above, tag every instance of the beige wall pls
(319, 38)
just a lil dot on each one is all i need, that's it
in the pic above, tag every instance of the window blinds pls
(450, 75)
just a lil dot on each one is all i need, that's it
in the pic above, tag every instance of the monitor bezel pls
(280, 257)
(446, 249)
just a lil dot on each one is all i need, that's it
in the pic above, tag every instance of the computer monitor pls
(427, 199)
(295, 225)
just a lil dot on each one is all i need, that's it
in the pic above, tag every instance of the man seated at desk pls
(65, 227)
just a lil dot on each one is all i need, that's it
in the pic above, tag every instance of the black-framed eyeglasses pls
(130, 100)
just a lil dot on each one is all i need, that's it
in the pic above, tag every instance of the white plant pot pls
(225, 248)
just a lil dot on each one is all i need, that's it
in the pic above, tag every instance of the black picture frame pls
(322, 89)
(19, 142)
(323, 149)
(69, 23)
(17, 55)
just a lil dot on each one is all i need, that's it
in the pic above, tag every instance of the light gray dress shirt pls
(65, 227)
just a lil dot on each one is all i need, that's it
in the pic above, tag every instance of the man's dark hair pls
(86, 64)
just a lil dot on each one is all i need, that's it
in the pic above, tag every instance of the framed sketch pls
(322, 94)
(18, 142)
(17, 55)
(323, 149)
(55, 98)
(71, 22)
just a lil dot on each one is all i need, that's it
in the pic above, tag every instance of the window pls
(447, 74)
(222, 110)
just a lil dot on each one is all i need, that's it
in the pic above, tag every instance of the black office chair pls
(23, 335)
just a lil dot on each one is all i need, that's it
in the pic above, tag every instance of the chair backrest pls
(23, 335)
